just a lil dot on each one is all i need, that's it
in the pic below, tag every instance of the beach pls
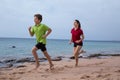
(88, 69)
(72, 40)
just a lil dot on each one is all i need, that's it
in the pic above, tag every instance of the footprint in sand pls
(103, 76)
(68, 66)
(18, 72)
(34, 71)
(97, 64)
(85, 77)
(1, 73)
(60, 68)
(55, 70)
(118, 71)
(45, 76)
(3, 78)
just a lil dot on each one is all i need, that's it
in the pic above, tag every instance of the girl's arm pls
(82, 38)
(71, 40)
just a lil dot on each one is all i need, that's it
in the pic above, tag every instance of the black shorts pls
(78, 44)
(41, 46)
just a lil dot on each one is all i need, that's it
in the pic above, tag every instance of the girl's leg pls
(74, 50)
(81, 51)
(76, 54)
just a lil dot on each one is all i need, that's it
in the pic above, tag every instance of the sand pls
(88, 69)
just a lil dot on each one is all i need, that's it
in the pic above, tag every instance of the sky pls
(100, 19)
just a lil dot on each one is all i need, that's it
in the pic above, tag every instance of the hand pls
(44, 36)
(29, 28)
(78, 41)
(70, 42)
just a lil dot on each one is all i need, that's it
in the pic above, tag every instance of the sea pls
(21, 47)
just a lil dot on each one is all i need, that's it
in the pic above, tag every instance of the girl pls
(77, 38)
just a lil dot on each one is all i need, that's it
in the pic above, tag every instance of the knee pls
(34, 50)
(45, 53)
(75, 55)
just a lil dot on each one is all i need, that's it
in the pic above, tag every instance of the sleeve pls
(82, 32)
(46, 27)
(32, 30)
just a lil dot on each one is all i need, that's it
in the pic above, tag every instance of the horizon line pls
(59, 39)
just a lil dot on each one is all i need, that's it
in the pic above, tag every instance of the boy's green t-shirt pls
(39, 31)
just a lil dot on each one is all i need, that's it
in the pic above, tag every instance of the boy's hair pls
(39, 16)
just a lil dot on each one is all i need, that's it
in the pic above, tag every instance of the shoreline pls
(88, 69)
(14, 62)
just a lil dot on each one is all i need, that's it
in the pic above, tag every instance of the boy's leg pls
(76, 54)
(34, 52)
(49, 59)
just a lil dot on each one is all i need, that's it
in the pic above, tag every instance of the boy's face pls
(36, 20)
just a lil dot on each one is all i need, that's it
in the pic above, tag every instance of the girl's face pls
(75, 24)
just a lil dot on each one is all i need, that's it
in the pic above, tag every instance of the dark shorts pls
(41, 46)
(78, 44)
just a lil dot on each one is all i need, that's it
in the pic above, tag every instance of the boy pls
(41, 31)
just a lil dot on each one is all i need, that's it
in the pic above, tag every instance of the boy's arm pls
(48, 32)
(31, 34)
